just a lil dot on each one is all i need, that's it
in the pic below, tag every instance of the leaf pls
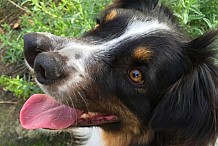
(196, 17)
(196, 10)
(185, 18)
(208, 22)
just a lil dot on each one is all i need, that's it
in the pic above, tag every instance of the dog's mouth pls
(42, 111)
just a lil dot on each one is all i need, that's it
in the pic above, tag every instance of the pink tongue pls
(42, 111)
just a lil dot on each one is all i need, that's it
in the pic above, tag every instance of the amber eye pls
(136, 76)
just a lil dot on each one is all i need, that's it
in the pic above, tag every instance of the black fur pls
(187, 110)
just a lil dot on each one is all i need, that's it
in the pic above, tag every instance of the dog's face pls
(117, 74)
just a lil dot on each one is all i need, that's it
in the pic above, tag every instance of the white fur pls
(88, 51)
(136, 29)
(94, 133)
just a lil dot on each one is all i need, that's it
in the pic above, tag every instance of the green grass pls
(65, 18)
(18, 86)
(72, 18)
(196, 16)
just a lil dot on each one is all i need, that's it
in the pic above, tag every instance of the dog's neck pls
(100, 137)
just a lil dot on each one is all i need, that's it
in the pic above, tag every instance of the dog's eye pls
(136, 76)
(98, 21)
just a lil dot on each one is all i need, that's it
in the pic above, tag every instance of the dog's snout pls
(48, 68)
(35, 43)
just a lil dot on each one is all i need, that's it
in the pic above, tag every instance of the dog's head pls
(134, 74)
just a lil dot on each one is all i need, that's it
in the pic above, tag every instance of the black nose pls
(35, 43)
(48, 68)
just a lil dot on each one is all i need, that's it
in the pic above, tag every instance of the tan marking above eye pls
(136, 76)
(110, 16)
(142, 53)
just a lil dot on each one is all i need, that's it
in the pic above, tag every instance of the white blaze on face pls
(135, 29)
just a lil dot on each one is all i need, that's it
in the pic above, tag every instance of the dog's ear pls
(188, 109)
(141, 5)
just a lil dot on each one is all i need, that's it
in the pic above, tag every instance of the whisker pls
(83, 100)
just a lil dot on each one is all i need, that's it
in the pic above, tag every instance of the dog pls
(136, 76)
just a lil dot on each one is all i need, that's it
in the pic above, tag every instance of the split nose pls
(48, 65)
(35, 43)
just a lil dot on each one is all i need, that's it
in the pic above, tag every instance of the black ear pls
(189, 108)
(141, 5)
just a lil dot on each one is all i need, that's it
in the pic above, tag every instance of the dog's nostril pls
(40, 72)
(47, 69)
(35, 43)
(30, 56)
